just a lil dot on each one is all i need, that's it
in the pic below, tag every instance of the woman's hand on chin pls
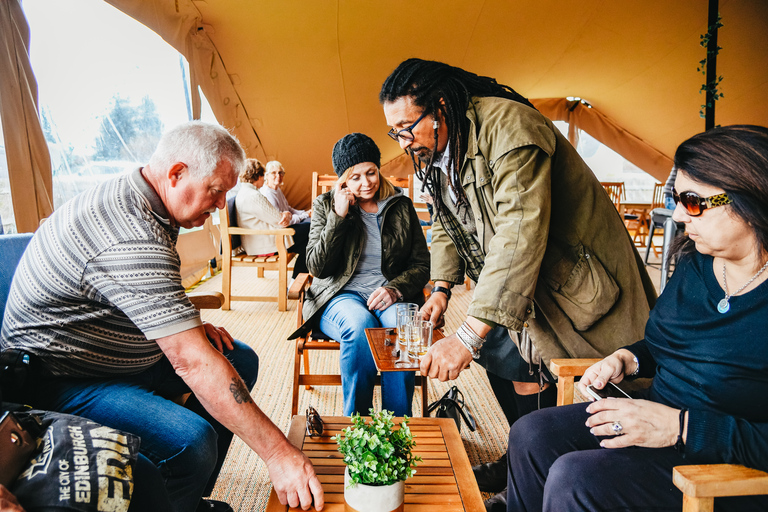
(342, 198)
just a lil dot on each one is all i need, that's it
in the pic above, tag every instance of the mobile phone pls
(610, 390)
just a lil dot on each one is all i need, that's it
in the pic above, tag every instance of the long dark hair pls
(435, 86)
(734, 158)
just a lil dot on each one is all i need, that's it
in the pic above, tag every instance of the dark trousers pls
(555, 464)
(300, 241)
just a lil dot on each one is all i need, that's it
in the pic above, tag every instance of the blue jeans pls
(345, 319)
(185, 443)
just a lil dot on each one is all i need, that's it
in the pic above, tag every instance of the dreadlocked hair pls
(435, 86)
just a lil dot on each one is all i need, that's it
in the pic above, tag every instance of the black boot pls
(497, 503)
(491, 476)
(536, 401)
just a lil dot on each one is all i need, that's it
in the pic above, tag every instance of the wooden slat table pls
(443, 480)
(382, 353)
(386, 362)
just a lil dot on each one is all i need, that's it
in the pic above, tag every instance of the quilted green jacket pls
(335, 245)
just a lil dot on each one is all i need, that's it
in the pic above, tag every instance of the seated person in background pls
(254, 211)
(275, 175)
(114, 335)
(367, 251)
(706, 347)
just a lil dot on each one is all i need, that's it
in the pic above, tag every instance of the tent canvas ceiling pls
(303, 74)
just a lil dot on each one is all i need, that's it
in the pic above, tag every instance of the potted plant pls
(379, 457)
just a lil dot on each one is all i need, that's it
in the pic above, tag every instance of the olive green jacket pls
(335, 245)
(558, 258)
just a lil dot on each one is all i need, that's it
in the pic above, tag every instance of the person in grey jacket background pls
(367, 251)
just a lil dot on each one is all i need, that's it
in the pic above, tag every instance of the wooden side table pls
(443, 480)
(387, 361)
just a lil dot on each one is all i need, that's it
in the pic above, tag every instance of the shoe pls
(491, 476)
(497, 503)
(213, 506)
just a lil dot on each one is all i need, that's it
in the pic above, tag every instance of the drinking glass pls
(406, 312)
(419, 338)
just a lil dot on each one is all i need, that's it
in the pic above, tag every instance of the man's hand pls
(434, 309)
(8, 502)
(445, 359)
(218, 336)
(285, 219)
(294, 479)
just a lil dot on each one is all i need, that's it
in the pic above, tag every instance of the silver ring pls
(617, 428)
(382, 302)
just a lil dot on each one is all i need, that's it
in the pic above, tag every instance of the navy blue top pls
(714, 364)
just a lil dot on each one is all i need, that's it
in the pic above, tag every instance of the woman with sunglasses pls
(366, 251)
(705, 346)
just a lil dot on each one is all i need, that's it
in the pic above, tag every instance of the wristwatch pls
(443, 289)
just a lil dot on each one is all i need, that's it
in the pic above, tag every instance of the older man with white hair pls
(97, 301)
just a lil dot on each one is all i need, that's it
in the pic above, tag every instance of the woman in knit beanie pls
(367, 251)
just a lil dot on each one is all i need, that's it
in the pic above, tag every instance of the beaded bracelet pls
(637, 368)
(470, 340)
(475, 353)
(472, 337)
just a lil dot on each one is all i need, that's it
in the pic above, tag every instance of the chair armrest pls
(570, 367)
(565, 370)
(278, 232)
(299, 285)
(700, 484)
(206, 300)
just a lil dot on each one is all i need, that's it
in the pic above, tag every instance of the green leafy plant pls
(375, 452)
(712, 86)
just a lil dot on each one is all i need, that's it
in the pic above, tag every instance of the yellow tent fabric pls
(606, 130)
(290, 78)
(303, 74)
(29, 163)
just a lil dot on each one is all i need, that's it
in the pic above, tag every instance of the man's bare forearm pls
(221, 391)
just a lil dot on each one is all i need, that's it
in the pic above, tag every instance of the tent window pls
(611, 166)
(108, 88)
(7, 223)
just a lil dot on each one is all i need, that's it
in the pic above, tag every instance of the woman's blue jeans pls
(184, 442)
(345, 319)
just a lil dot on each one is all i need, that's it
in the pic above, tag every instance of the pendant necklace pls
(723, 306)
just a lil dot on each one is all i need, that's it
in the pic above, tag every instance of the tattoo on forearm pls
(239, 391)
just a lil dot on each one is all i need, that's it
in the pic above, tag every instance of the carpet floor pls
(244, 481)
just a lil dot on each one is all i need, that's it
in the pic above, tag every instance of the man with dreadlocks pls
(520, 213)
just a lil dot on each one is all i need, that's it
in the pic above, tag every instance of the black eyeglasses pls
(314, 423)
(695, 205)
(406, 133)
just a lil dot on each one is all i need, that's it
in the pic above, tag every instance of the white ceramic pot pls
(373, 498)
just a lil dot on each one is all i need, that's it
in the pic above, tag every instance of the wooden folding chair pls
(316, 340)
(233, 256)
(322, 183)
(615, 190)
(700, 484)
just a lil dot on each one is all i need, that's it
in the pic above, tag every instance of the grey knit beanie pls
(353, 149)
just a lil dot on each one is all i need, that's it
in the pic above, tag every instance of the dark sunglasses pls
(406, 133)
(695, 205)
(314, 423)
